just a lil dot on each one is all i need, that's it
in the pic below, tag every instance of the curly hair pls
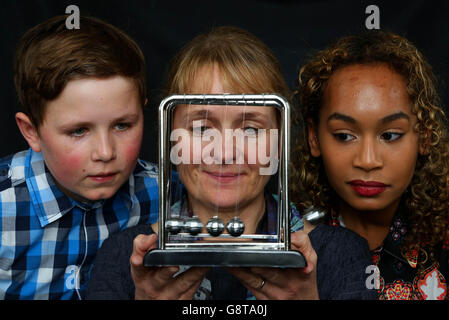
(427, 197)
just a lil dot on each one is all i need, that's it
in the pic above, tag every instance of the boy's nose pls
(368, 156)
(104, 148)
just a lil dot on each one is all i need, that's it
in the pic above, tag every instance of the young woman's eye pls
(391, 136)
(79, 132)
(343, 137)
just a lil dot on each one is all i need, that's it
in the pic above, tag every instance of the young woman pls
(231, 60)
(374, 156)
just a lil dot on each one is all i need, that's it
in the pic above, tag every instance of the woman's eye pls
(78, 132)
(344, 137)
(199, 131)
(250, 131)
(391, 136)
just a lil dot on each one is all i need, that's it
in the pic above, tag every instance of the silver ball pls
(235, 227)
(193, 225)
(215, 226)
(174, 225)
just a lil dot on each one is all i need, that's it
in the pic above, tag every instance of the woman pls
(375, 157)
(231, 60)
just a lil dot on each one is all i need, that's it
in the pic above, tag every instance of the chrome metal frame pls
(262, 100)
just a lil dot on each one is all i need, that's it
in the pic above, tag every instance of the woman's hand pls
(158, 282)
(283, 284)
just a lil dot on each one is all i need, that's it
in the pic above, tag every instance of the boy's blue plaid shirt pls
(49, 241)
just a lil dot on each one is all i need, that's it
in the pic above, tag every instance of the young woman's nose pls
(103, 148)
(368, 156)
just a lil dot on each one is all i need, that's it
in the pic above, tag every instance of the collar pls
(49, 202)
(394, 239)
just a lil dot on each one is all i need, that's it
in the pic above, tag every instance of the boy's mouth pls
(103, 177)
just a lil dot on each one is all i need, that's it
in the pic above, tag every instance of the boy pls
(82, 92)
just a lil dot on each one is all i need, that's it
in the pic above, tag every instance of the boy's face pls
(91, 135)
(366, 136)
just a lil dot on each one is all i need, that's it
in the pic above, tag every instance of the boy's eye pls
(78, 132)
(391, 136)
(122, 126)
(344, 137)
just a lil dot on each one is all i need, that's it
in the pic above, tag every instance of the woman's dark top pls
(343, 257)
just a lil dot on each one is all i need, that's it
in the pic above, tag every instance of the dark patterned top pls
(408, 276)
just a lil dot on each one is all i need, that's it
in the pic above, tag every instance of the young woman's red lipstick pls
(367, 188)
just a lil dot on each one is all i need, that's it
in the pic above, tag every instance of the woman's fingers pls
(246, 277)
(300, 241)
(186, 284)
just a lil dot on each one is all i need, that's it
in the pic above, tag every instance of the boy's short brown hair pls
(49, 56)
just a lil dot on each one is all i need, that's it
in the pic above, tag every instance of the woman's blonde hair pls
(245, 63)
(427, 197)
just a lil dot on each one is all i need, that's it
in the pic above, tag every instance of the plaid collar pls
(49, 202)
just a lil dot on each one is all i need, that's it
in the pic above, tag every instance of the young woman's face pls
(366, 136)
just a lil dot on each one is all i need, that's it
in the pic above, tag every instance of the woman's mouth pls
(224, 177)
(367, 188)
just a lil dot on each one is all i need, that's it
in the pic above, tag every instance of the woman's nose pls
(368, 156)
(227, 154)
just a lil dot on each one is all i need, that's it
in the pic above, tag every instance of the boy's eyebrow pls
(384, 120)
(126, 117)
(81, 123)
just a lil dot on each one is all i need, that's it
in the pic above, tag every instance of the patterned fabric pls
(267, 225)
(408, 276)
(49, 240)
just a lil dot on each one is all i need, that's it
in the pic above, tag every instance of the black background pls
(293, 29)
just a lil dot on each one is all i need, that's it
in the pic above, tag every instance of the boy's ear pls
(314, 144)
(28, 131)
